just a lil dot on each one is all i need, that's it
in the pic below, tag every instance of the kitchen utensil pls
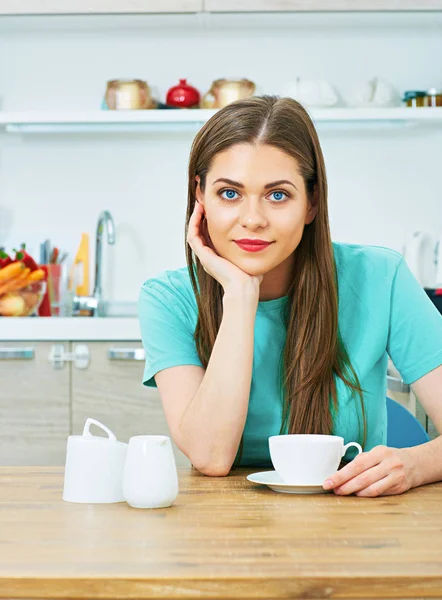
(415, 98)
(224, 91)
(183, 95)
(434, 98)
(431, 98)
(45, 252)
(44, 310)
(275, 482)
(128, 94)
(419, 256)
(60, 296)
(54, 256)
(80, 268)
(150, 477)
(307, 459)
(94, 467)
(376, 92)
(312, 92)
(438, 255)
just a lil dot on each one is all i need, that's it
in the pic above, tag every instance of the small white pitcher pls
(94, 467)
(150, 477)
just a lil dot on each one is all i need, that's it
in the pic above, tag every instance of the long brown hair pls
(314, 353)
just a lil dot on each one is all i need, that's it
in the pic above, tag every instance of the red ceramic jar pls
(183, 95)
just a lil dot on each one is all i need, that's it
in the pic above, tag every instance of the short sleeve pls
(415, 331)
(166, 333)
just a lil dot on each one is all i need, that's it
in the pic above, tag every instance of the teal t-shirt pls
(383, 311)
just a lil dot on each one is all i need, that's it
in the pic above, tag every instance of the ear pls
(313, 206)
(198, 193)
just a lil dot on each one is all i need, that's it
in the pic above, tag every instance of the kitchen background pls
(384, 180)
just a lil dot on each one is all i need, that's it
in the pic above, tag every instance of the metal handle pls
(394, 384)
(16, 353)
(126, 354)
(80, 356)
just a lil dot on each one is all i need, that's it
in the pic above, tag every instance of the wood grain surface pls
(223, 538)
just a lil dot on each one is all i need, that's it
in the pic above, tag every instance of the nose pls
(252, 215)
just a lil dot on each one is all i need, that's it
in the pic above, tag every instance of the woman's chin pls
(251, 269)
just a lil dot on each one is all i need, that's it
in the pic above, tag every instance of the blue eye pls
(278, 196)
(229, 194)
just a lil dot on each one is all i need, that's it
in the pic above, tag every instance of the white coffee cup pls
(150, 478)
(307, 459)
(94, 467)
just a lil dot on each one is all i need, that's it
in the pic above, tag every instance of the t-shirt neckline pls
(270, 305)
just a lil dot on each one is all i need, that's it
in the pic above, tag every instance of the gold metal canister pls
(128, 94)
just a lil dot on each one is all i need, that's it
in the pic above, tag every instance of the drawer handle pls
(394, 384)
(16, 353)
(126, 354)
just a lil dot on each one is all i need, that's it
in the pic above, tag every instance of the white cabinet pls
(60, 7)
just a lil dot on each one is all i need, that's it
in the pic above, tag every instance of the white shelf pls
(176, 120)
(104, 121)
(68, 7)
(88, 7)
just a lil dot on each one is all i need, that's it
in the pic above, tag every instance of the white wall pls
(384, 183)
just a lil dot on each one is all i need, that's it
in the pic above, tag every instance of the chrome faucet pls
(93, 305)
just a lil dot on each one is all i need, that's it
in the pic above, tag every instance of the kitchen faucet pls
(93, 305)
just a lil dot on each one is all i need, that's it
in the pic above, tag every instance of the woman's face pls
(256, 192)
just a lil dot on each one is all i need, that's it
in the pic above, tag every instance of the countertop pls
(66, 329)
(223, 537)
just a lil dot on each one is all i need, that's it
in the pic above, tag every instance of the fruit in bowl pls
(22, 287)
(23, 302)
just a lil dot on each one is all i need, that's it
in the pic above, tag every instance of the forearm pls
(212, 425)
(427, 462)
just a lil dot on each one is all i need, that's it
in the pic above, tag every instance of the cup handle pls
(90, 422)
(347, 446)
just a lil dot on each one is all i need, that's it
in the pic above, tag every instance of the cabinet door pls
(111, 391)
(54, 7)
(34, 405)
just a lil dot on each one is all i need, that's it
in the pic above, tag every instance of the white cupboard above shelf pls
(81, 7)
(321, 5)
(91, 7)
(191, 120)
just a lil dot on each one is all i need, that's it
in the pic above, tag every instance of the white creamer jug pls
(150, 478)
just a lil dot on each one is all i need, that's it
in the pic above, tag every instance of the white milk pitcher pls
(94, 467)
(150, 477)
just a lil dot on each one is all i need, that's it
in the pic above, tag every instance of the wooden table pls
(223, 538)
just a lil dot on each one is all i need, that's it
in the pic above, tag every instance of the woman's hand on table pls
(382, 471)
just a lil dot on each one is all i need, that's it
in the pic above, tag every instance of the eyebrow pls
(267, 186)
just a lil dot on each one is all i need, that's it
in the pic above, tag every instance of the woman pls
(292, 335)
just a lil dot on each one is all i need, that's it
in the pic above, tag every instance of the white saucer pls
(274, 482)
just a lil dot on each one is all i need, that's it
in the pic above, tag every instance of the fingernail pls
(327, 485)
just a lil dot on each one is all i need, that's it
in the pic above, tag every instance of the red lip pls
(252, 245)
(252, 242)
